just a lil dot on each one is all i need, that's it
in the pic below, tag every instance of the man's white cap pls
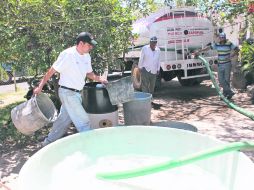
(153, 39)
(222, 35)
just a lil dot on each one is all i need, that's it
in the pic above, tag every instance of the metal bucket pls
(120, 91)
(80, 157)
(176, 125)
(33, 114)
(138, 111)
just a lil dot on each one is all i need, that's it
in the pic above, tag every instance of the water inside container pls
(188, 177)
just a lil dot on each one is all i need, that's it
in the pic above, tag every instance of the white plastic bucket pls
(73, 162)
(33, 114)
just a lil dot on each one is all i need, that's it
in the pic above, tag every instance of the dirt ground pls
(198, 106)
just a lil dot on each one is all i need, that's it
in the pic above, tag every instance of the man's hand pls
(37, 90)
(103, 80)
(195, 54)
(97, 78)
(46, 77)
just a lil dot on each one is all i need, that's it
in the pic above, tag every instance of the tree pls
(226, 11)
(33, 33)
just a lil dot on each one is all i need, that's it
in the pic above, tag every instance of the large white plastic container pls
(73, 162)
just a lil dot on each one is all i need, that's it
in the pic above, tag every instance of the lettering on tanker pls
(178, 41)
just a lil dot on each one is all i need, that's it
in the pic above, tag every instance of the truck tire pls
(189, 82)
(7, 79)
(136, 77)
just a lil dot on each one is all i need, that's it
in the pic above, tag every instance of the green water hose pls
(230, 104)
(176, 162)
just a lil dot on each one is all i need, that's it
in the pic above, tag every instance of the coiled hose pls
(230, 104)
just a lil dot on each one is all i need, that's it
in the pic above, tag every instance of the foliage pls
(3, 74)
(187, 2)
(247, 51)
(247, 59)
(222, 11)
(33, 33)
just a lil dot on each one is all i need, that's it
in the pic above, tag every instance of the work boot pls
(156, 106)
(230, 95)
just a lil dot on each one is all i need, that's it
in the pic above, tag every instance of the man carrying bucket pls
(149, 65)
(74, 65)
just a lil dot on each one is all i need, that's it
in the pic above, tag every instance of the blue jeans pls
(70, 111)
(224, 71)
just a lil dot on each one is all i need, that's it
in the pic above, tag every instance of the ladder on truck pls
(184, 47)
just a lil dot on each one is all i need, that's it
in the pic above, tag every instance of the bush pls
(247, 59)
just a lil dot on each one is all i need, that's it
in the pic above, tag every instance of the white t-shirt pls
(73, 68)
(149, 59)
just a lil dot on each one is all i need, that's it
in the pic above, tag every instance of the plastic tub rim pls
(148, 96)
(100, 130)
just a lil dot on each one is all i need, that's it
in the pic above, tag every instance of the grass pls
(8, 98)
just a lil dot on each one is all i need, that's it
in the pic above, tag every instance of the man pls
(224, 49)
(74, 65)
(149, 65)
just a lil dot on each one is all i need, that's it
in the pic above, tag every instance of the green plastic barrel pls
(73, 162)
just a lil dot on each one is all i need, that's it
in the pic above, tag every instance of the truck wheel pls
(189, 82)
(6, 78)
(136, 77)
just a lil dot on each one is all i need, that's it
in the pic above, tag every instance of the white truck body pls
(179, 31)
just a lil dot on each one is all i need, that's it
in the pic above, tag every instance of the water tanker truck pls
(180, 32)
